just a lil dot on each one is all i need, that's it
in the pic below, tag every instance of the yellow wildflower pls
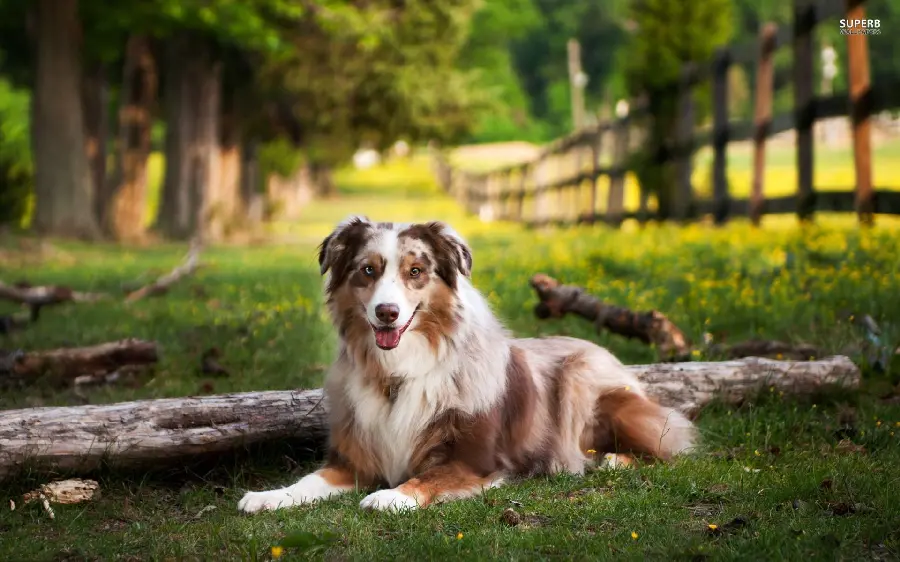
(878, 423)
(592, 451)
(277, 551)
(459, 536)
(712, 526)
(634, 535)
(756, 452)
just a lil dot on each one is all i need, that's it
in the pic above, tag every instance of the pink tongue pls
(387, 338)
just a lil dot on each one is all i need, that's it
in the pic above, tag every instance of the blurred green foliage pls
(16, 171)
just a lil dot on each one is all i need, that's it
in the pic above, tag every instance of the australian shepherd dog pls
(431, 399)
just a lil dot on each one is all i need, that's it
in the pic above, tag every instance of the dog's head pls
(387, 278)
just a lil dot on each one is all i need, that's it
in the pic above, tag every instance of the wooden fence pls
(579, 167)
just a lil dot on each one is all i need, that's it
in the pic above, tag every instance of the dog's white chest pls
(393, 427)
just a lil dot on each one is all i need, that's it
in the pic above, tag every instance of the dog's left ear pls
(454, 246)
(347, 233)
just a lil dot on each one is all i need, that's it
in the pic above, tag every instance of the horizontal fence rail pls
(566, 174)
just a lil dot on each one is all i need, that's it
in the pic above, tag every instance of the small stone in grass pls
(511, 517)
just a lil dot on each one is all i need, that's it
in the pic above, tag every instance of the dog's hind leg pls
(628, 423)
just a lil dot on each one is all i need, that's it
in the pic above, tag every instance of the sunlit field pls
(770, 481)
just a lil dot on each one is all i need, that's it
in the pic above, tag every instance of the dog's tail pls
(637, 425)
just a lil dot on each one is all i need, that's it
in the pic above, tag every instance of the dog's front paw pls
(389, 500)
(260, 501)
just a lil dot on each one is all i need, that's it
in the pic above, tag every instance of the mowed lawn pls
(770, 482)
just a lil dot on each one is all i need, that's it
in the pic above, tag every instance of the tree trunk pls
(251, 198)
(192, 115)
(82, 438)
(64, 195)
(122, 205)
(95, 103)
(205, 171)
(322, 179)
(225, 198)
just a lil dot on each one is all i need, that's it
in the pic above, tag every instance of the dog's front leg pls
(330, 480)
(454, 480)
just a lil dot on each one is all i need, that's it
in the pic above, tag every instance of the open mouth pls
(389, 338)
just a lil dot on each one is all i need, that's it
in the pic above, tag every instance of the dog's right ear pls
(350, 229)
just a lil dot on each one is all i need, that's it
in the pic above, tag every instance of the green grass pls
(772, 464)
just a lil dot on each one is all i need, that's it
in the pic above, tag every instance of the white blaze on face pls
(390, 288)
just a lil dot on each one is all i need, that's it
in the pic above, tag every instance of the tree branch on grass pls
(37, 297)
(82, 438)
(162, 285)
(651, 327)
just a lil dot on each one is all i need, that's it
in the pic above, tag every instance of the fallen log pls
(651, 327)
(81, 438)
(24, 293)
(36, 298)
(72, 362)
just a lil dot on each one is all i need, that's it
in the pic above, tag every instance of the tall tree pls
(669, 35)
(123, 199)
(63, 186)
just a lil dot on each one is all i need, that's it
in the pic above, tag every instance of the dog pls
(431, 399)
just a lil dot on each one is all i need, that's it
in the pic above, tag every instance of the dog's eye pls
(414, 272)
(369, 270)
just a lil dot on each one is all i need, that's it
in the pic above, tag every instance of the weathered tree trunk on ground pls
(192, 115)
(95, 101)
(64, 195)
(122, 205)
(67, 364)
(81, 438)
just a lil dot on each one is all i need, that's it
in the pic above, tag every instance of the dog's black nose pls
(387, 313)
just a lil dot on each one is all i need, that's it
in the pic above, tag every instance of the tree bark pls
(81, 438)
(251, 197)
(64, 195)
(122, 205)
(225, 208)
(322, 179)
(95, 102)
(192, 114)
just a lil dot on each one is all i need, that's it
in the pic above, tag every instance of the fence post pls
(615, 205)
(804, 105)
(762, 117)
(540, 187)
(596, 151)
(527, 170)
(860, 111)
(721, 62)
(683, 200)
